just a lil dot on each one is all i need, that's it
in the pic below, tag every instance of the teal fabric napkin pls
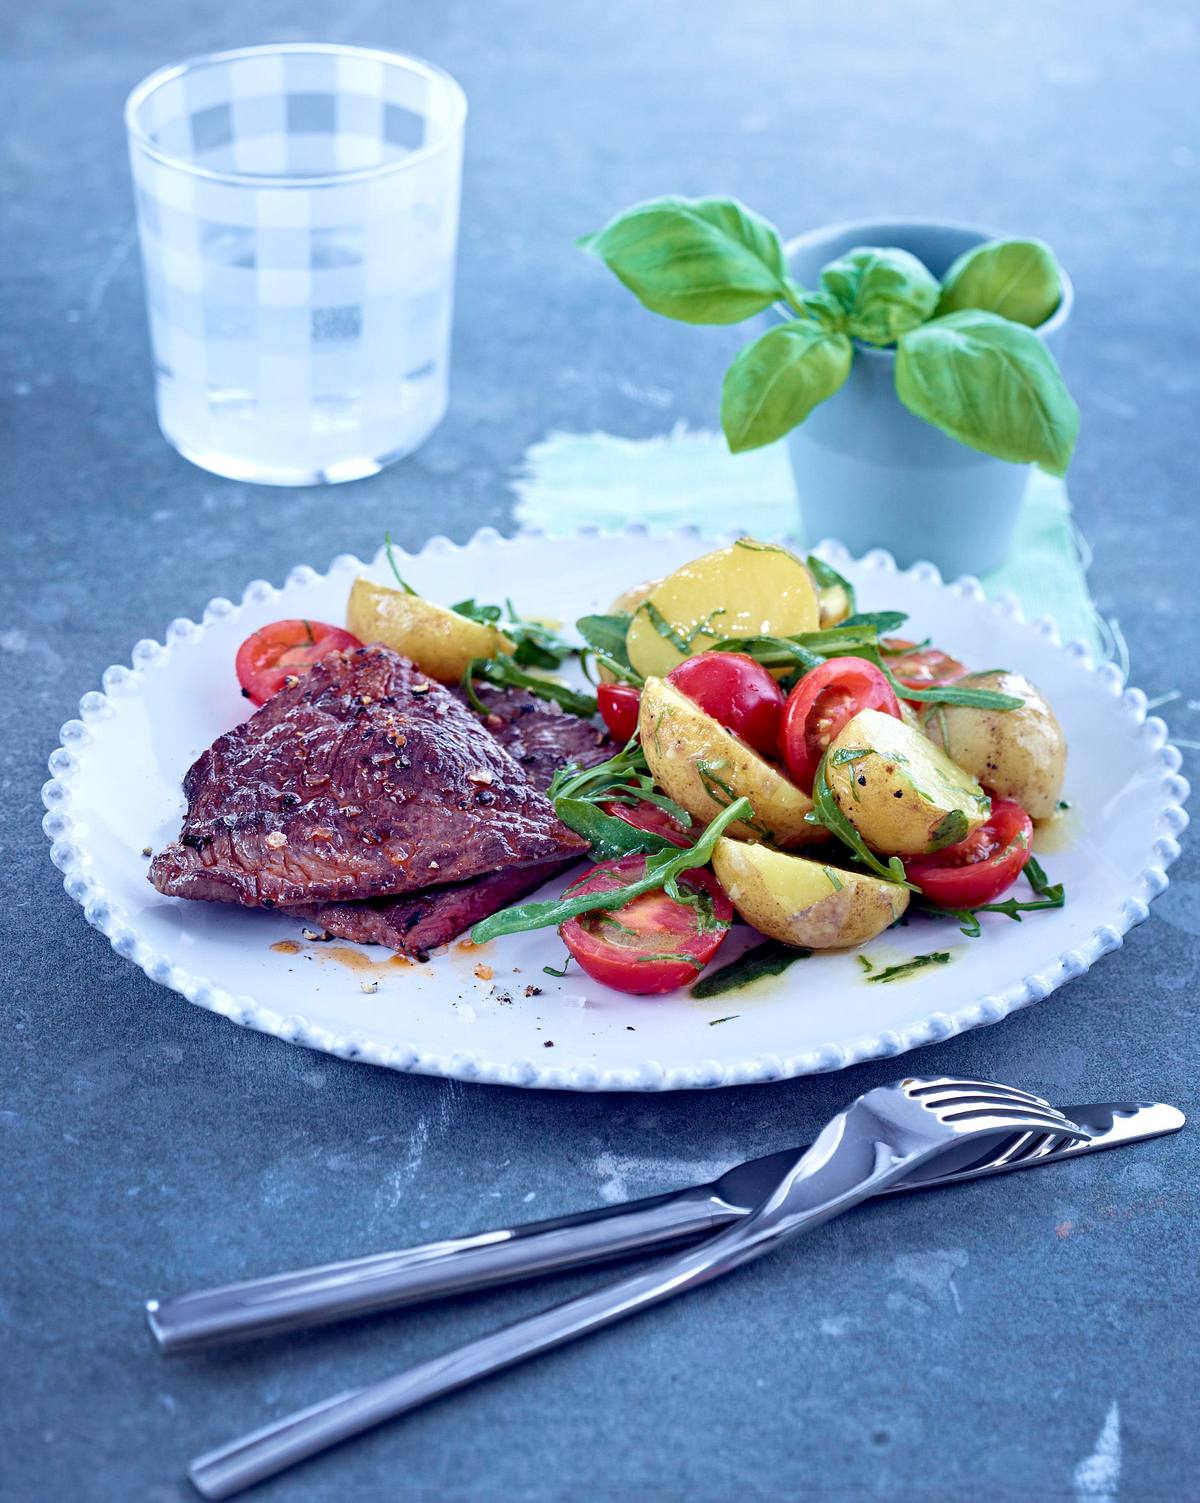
(571, 480)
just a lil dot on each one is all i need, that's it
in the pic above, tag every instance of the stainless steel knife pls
(289, 1301)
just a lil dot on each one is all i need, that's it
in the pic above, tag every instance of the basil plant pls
(967, 359)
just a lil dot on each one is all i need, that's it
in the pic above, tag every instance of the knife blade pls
(409, 1276)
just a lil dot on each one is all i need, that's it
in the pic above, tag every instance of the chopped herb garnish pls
(770, 958)
(722, 794)
(681, 642)
(550, 971)
(834, 879)
(867, 964)
(728, 1018)
(1062, 804)
(917, 963)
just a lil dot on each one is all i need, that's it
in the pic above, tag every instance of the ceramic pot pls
(869, 472)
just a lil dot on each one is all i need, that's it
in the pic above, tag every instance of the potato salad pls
(782, 759)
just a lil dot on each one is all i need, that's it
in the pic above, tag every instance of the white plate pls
(116, 790)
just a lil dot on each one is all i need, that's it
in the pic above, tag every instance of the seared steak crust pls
(543, 738)
(364, 779)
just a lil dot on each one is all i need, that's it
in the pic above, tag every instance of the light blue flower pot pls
(869, 472)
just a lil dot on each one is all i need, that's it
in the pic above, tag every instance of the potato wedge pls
(801, 902)
(628, 600)
(1020, 754)
(704, 767)
(746, 589)
(439, 641)
(900, 792)
(835, 605)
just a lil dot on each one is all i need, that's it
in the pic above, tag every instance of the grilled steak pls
(364, 779)
(543, 738)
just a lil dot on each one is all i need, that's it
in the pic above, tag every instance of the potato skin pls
(439, 641)
(683, 744)
(800, 902)
(758, 588)
(897, 796)
(1018, 754)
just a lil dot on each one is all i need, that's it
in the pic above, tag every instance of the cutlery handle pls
(224, 1472)
(288, 1301)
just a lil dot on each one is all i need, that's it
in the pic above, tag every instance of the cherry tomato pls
(644, 816)
(284, 649)
(920, 667)
(737, 691)
(619, 705)
(653, 944)
(982, 866)
(821, 704)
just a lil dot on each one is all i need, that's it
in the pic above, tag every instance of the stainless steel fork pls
(875, 1142)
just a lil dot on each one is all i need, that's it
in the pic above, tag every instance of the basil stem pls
(662, 871)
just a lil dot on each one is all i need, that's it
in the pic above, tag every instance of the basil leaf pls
(662, 870)
(609, 836)
(770, 958)
(701, 260)
(992, 385)
(607, 635)
(776, 381)
(884, 291)
(1018, 279)
(823, 308)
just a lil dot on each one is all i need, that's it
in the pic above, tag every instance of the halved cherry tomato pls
(821, 704)
(737, 691)
(619, 704)
(644, 816)
(982, 866)
(653, 944)
(920, 667)
(284, 649)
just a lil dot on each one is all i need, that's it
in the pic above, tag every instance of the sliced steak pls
(543, 738)
(364, 779)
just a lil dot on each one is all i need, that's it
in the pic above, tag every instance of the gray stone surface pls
(1021, 1339)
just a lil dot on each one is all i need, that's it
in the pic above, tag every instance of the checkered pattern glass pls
(298, 211)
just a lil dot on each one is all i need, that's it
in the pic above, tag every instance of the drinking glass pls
(298, 212)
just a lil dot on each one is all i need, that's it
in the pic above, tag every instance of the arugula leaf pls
(775, 382)
(662, 871)
(949, 830)
(826, 577)
(825, 812)
(681, 642)
(700, 260)
(992, 385)
(1047, 895)
(505, 674)
(391, 558)
(881, 620)
(609, 836)
(771, 958)
(917, 963)
(607, 635)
